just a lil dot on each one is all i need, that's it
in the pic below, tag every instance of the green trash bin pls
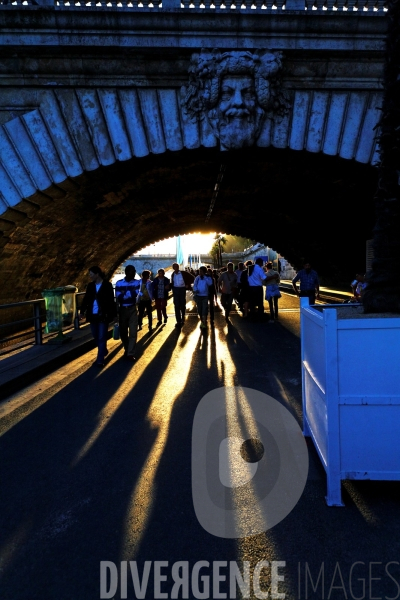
(60, 308)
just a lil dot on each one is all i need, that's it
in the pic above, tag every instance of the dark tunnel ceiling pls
(301, 204)
(295, 202)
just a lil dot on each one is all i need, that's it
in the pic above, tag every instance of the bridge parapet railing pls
(226, 6)
(116, 4)
(232, 5)
(362, 6)
(17, 328)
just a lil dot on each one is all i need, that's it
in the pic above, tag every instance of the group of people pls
(244, 285)
(134, 297)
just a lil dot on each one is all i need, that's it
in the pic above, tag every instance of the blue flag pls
(179, 251)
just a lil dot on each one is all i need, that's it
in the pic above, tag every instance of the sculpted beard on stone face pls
(237, 118)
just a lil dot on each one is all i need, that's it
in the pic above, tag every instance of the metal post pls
(37, 324)
(77, 323)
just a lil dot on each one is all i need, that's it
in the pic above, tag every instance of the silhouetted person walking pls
(99, 306)
(272, 293)
(126, 291)
(309, 283)
(180, 282)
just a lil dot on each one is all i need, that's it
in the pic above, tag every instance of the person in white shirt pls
(256, 280)
(200, 290)
(180, 282)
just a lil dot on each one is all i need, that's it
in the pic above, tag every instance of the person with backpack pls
(126, 291)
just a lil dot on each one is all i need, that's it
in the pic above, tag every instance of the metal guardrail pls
(227, 6)
(36, 321)
(328, 297)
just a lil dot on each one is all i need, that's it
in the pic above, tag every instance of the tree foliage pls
(236, 243)
(233, 243)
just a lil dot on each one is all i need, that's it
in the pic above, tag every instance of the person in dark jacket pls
(160, 292)
(99, 306)
(145, 300)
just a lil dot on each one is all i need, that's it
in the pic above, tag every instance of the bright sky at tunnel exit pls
(194, 243)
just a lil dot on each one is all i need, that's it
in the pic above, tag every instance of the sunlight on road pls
(158, 416)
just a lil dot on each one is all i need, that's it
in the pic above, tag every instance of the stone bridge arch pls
(78, 131)
(108, 169)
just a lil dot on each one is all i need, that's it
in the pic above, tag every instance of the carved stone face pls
(234, 92)
(237, 117)
(238, 96)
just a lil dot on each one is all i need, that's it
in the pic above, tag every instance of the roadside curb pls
(28, 366)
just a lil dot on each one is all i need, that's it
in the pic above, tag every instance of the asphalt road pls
(96, 466)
